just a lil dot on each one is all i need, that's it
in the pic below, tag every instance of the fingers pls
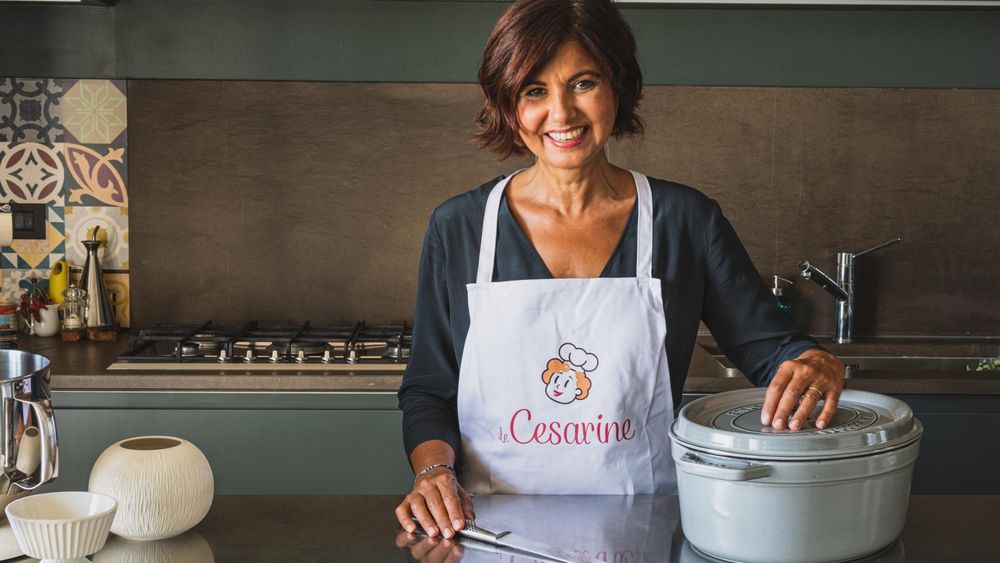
(786, 404)
(467, 508)
(829, 409)
(797, 387)
(439, 504)
(404, 514)
(809, 400)
(775, 391)
(418, 505)
(452, 504)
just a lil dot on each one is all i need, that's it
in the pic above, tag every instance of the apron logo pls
(566, 378)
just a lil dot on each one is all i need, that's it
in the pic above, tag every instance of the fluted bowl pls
(62, 525)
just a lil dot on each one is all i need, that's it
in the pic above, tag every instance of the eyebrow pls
(571, 78)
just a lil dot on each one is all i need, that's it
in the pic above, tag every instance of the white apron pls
(564, 386)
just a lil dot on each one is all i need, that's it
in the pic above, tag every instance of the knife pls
(510, 540)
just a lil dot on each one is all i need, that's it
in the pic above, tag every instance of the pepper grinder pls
(74, 313)
(100, 323)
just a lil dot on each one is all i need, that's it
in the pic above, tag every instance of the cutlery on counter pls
(482, 538)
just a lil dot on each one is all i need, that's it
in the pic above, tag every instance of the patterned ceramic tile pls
(30, 111)
(94, 110)
(62, 142)
(16, 282)
(35, 253)
(96, 175)
(31, 173)
(113, 223)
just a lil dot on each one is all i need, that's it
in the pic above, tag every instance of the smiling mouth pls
(557, 393)
(566, 136)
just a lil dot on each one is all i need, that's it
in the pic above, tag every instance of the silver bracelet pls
(433, 467)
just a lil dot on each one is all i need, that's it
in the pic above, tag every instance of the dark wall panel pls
(427, 41)
(57, 41)
(292, 201)
(806, 173)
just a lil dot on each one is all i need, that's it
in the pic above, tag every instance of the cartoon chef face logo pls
(566, 378)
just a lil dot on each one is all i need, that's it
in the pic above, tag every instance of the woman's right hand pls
(438, 502)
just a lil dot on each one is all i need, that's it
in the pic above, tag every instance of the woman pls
(576, 271)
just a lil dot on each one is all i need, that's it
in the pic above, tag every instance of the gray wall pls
(421, 41)
(308, 201)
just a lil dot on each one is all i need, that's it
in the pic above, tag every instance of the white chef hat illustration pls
(578, 357)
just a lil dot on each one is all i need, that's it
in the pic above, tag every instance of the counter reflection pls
(188, 547)
(616, 529)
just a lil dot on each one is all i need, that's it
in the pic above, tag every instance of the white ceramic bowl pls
(63, 525)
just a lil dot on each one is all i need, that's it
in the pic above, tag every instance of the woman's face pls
(567, 111)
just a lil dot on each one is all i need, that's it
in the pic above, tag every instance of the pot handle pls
(48, 469)
(723, 468)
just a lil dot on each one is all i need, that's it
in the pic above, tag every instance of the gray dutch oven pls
(750, 493)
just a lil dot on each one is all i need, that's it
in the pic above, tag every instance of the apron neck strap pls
(644, 234)
(644, 242)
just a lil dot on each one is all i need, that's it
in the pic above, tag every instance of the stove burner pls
(253, 343)
(195, 348)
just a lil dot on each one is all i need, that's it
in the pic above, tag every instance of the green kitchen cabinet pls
(256, 443)
(351, 443)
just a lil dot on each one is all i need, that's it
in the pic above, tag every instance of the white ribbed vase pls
(163, 484)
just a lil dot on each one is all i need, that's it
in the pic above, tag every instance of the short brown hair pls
(525, 39)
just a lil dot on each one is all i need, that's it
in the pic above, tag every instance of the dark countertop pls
(83, 366)
(618, 529)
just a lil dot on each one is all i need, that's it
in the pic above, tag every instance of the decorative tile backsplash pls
(63, 144)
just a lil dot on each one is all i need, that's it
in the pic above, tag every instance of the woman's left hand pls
(812, 376)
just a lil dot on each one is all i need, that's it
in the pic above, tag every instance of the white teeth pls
(567, 136)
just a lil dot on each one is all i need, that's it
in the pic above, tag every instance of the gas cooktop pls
(272, 347)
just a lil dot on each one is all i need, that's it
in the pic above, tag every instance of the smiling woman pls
(562, 269)
(527, 39)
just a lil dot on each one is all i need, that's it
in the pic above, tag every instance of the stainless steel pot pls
(30, 451)
(750, 493)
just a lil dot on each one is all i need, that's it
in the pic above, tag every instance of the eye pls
(534, 92)
(584, 85)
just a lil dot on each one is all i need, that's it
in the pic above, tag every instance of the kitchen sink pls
(900, 356)
(875, 363)
(857, 364)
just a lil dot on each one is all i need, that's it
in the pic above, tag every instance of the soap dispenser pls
(779, 294)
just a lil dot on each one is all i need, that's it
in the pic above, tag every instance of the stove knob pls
(249, 357)
(326, 356)
(301, 357)
(222, 355)
(274, 356)
(352, 356)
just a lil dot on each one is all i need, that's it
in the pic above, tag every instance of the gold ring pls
(818, 392)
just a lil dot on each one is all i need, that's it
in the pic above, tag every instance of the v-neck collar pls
(523, 237)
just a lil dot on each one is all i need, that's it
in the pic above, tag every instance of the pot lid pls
(730, 423)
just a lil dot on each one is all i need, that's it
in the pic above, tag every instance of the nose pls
(562, 107)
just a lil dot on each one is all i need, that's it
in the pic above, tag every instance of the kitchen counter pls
(83, 366)
(616, 529)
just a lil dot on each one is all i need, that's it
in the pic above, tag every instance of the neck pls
(571, 191)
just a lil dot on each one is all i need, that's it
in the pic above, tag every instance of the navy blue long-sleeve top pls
(705, 272)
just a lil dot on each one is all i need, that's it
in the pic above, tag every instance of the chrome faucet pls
(843, 288)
